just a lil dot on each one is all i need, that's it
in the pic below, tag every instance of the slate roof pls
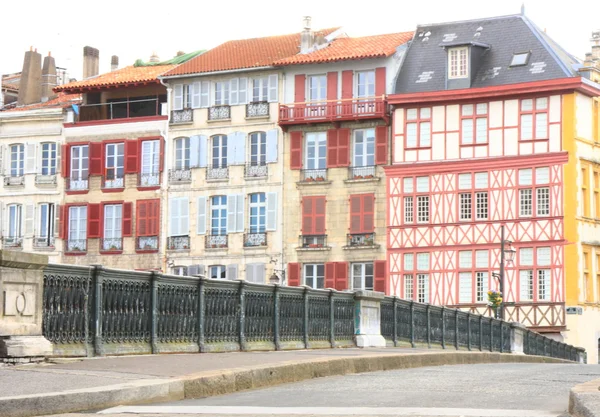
(425, 63)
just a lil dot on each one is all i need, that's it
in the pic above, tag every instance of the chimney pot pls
(114, 62)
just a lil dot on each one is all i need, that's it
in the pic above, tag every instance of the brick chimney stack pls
(114, 62)
(30, 86)
(49, 79)
(91, 62)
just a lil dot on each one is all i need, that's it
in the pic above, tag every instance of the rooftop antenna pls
(523, 9)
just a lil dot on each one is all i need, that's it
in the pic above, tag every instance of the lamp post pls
(506, 255)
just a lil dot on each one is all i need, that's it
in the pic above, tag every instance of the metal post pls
(276, 302)
(395, 306)
(153, 312)
(412, 323)
(428, 325)
(443, 327)
(98, 348)
(331, 319)
(501, 284)
(201, 315)
(501, 337)
(469, 330)
(480, 333)
(456, 329)
(491, 334)
(242, 308)
(306, 317)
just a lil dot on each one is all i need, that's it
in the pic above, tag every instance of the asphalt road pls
(490, 390)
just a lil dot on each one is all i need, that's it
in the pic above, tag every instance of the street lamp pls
(507, 254)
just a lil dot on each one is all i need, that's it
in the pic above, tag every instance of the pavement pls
(101, 383)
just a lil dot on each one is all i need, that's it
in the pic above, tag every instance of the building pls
(484, 133)
(335, 116)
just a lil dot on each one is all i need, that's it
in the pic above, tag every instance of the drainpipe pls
(281, 222)
(165, 180)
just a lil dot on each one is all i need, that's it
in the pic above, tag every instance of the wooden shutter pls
(231, 213)
(272, 136)
(319, 216)
(29, 219)
(65, 161)
(201, 216)
(174, 215)
(131, 156)
(307, 216)
(153, 217)
(57, 211)
(296, 150)
(330, 275)
(368, 213)
(341, 276)
(380, 81)
(141, 218)
(195, 95)
(332, 147)
(127, 219)
(242, 93)
(178, 97)
(62, 221)
(293, 274)
(300, 88)
(93, 214)
(271, 212)
(273, 87)
(379, 275)
(95, 157)
(347, 84)
(232, 272)
(355, 213)
(381, 145)
(332, 85)
(343, 150)
(161, 157)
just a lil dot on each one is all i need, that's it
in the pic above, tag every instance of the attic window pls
(458, 62)
(520, 59)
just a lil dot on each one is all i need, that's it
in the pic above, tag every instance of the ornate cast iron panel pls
(291, 317)
(177, 313)
(259, 322)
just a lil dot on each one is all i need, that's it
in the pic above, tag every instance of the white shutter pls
(201, 270)
(250, 276)
(184, 213)
(195, 95)
(194, 151)
(58, 156)
(201, 216)
(202, 151)
(243, 87)
(173, 217)
(56, 219)
(273, 87)
(259, 273)
(239, 222)
(240, 150)
(271, 211)
(192, 270)
(525, 176)
(30, 158)
(1, 217)
(231, 213)
(1, 159)
(272, 136)
(232, 271)
(178, 216)
(233, 91)
(29, 219)
(204, 94)
(178, 97)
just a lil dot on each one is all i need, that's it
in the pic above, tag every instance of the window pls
(477, 200)
(588, 285)
(182, 153)
(481, 210)
(458, 62)
(418, 128)
(180, 271)
(479, 271)
(543, 201)
(148, 224)
(422, 201)
(150, 163)
(409, 292)
(217, 271)
(15, 212)
(114, 169)
(466, 206)
(219, 151)
(77, 229)
(364, 148)
(317, 88)
(258, 213)
(258, 148)
(362, 276)
(535, 282)
(365, 84)
(45, 235)
(187, 96)
(474, 124)
(519, 59)
(48, 159)
(17, 160)
(585, 192)
(313, 215)
(222, 93)
(423, 288)
(316, 152)
(597, 196)
(527, 206)
(219, 215)
(314, 275)
(422, 209)
(260, 88)
(534, 119)
(418, 281)
(113, 221)
(79, 167)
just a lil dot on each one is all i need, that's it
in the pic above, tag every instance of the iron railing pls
(16, 180)
(219, 112)
(254, 239)
(361, 239)
(180, 175)
(146, 243)
(256, 170)
(43, 242)
(313, 175)
(77, 184)
(149, 180)
(217, 172)
(114, 244)
(76, 245)
(313, 241)
(178, 243)
(111, 182)
(216, 241)
(43, 179)
(359, 173)
(182, 116)
(12, 241)
(257, 109)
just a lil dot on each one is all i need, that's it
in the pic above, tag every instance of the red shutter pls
(307, 216)
(332, 144)
(355, 213)
(347, 84)
(62, 221)
(95, 156)
(319, 215)
(296, 150)
(293, 274)
(141, 217)
(161, 160)
(368, 213)
(379, 277)
(381, 145)
(131, 156)
(154, 216)
(65, 160)
(341, 276)
(300, 88)
(380, 81)
(330, 275)
(127, 218)
(93, 220)
(332, 85)
(343, 151)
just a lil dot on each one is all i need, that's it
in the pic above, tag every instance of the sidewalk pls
(86, 384)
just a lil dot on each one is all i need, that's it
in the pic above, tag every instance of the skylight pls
(519, 59)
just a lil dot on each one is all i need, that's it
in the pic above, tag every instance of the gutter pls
(204, 74)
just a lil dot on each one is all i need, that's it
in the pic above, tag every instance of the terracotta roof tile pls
(244, 53)
(8, 86)
(341, 49)
(122, 76)
(62, 100)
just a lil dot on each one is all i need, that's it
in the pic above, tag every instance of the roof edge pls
(468, 20)
(206, 73)
(536, 32)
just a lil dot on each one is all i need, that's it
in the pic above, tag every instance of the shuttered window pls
(362, 211)
(313, 215)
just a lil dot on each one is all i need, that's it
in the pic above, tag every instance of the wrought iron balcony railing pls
(257, 109)
(76, 245)
(42, 242)
(217, 172)
(16, 180)
(112, 182)
(180, 175)
(182, 116)
(359, 173)
(45, 179)
(13, 241)
(313, 175)
(254, 239)
(256, 170)
(148, 180)
(216, 241)
(335, 110)
(361, 239)
(147, 243)
(313, 241)
(219, 112)
(76, 184)
(113, 244)
(178, 243)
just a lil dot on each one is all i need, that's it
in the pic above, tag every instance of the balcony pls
(219, 113)
(114, 244)
(147, 243)
(119, 110)
(45, 179)
(313, 175)
(43, 242)
(150, 180)
(14, 181)
(216, 242)
(112, 183)
(257, 109)
(333, 111)
(361, 173)
(256, 171)
(313, 241)
(255, 239)
(178, 243)
(14, 242)
(76, 246)
(77, 184)
(179, 176)
(217, 173)
(360, 240)
(182, 116)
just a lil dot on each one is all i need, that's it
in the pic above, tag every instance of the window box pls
(313, 175)
(313, 241)
(43, 179)
(182, 116)
(216, 242)
(77, 184)
(178, 243)
(113, 183)
(14, 181)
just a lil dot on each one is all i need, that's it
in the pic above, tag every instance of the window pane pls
(465, 206)
(411, 114)
(542, 175)
(543, 256)
(541, 126)
(467, 110)
(482, 206)
(465, 283)
(425, 113)
(541, 103)
(526, 127)
(422, 184)
(481, 130)
(467, 131)
(408, 184)
(464, 181)
(526, 284)
(482, 259)
(525, 177)
(526, 256)
(481, 180)
(409, 262)
(525, 202)
(482, 108)
(408, 287)
(408, 210)
(425, 134)
(527, 105)
(423, 261)
(465, 259)
(543, 201)
(411, 135)
(423, 209)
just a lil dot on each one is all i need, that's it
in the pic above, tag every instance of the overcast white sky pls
(134, 29)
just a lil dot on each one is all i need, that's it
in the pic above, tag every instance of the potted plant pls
(369, 176)
(320, 179)
(494, 300)
(358, 177)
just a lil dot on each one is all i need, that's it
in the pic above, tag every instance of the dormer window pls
(458, 62)
(520, 59)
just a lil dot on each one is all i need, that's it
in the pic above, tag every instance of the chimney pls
(30, 86)
(114, 62)
(49, 80)
(91, 62)
(154, 57)
(179, 53)
(595, 40)
(306, 37)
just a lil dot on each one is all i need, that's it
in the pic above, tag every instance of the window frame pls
(458, 74)
(534, 112)
(534, 195)
(50, 220)
(219, 151)
(315, 278)
(368, 85)
(419, 122)
(84, 173)
(117, 170)
(363, 276)
(17, 158)
(221, 93)
(220, 269)
(365, 155)
(49, 160)
(18, 223)
(478, 293)
(319, 141)
(263, 89)
(258, 158)
(319, 88)
(474, 191)
(182, 153)
(533, 272)
(221, 210)
(414, 196)
(420, 278)
(261, 207)
(474, 117)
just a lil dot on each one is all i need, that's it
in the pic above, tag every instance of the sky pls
(136, 29)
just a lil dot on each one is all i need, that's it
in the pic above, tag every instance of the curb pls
(211, 383)
(584, 399)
